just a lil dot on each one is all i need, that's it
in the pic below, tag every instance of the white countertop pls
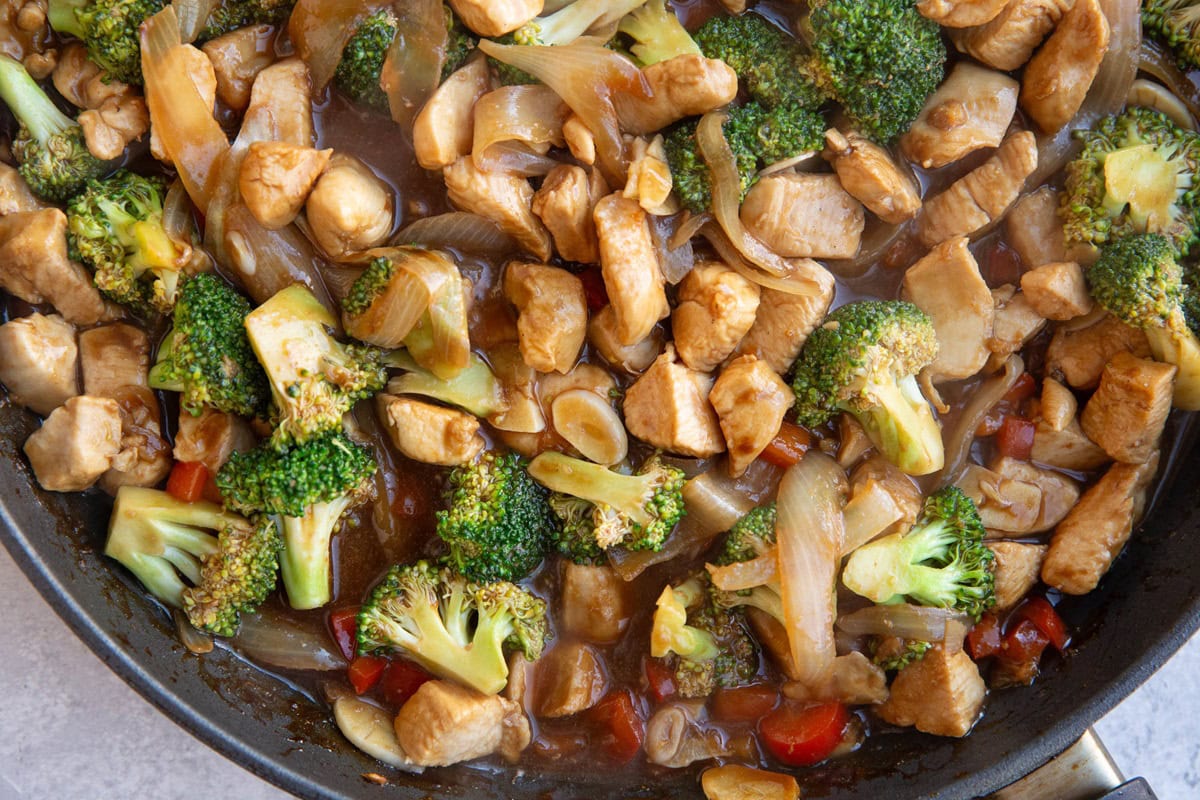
(70, 729)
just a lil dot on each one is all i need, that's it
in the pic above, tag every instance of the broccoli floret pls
(575, 534)
(206, 355)
(309, 487)
(212, 563)
(369, 286)
(233, 14)
(942, 561)
(893, 654)
(657, 33)
(314, 378)
(358, 72)
(635, 511)
(1139, 281)
(751, 536)
(705, 645)
(109, 30)
(454, 628)
(49, 146)
(460, 43)
(770, 63)
(115, 227)
(757, 136)
(1177, 23)
(863, 360)
(497, 524)
(880, 59)
(1134, 175)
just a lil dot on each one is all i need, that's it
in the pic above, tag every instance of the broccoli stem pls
(627, 494)
(306, 563)
(29, 104)
(1181, 348)
(902, 426)
(63, 17)
(568, 24)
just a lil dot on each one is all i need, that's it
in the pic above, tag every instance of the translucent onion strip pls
(460, 230)
(193, 16)
(919, 623)
(320, 29)
(533, 115)
(279, 642)
(413, 66)
(807, 279)
(959, 438)
(746, 574)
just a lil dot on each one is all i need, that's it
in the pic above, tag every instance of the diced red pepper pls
(743, 703)
(1015, 438)
(365, 671)
(622, 729)
(801, 737)
(1024, 643)
(343, 625)
(1039, 611)
(401, 680)
(659, 680)
(1022, 390)
(594, 290)
(788, 446)
(984, 639)
(187, 481)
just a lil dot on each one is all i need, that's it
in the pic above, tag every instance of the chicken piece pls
(113, 113)
(428, 433)
(981, 196)
(1057, 79)
(1034, 229)
(853, 442)
(804, 215)
(552, 314)
(715, 309)
(519, 382)
(15, 194)
(1066, 448)
(750, 400)
(941, 694)
(580, 140)
(1086, 543)
(38, 361)
(280, 108)
(683, 86)
(570, 678)
(971, 110)
(903, 491)
(854, 681)
(237, 58)
(737, 782)
(634, 359)
(596, 604)
(1057, 291)
(444, 130)
(444, 723)
(961, 13)
(1126, 415)
(350, 209)
(276, 179)
(947, 286)
(502, 197)
(491, 18)
(1014, 322)
(870, 175)
(76, 444)
(565, 204)
(1078, 355)
(204, 79)
(1059, 492)
(1057, 406)
(629, 264)
(112, 357)
(1009, 39)
(34, 266)
(676, 736)
(782, 325)
(212, 437)
(649, 180)
(1005, 504)
(668, 407)
(145, 456)
(1018, 567)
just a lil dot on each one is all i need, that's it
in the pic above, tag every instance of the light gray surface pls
(71, 729)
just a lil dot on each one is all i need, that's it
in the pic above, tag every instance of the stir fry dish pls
(608, 382)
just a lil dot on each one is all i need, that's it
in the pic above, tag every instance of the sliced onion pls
(1155, 60)
(676, 261)
(692, 224)
(918, 623)
(184, 123)
(413, 66)
(441, 341)
(518, 159)
(688, 539)
(809, 533)
(531, 114)
(713, 503)
(871, 512)
(193, 16)
(959, 438)
(196, 641)
(459, 230)
(809, 278)
(746, 574)
(278, 642)
(179, 226)
(320, 29)
(587, 76)
(420, 278)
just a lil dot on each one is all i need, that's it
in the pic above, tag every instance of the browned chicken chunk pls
(113, 357)
(1006, 505)
(629, 264)
(38, 361)
(76, 444)
(496, 17)
(34, 266)
(1057, 79)
(1018, 568)
(145, 456)
(275, 180)
(212, 437)
(280, 108)
(736, 782)
(1127, 413)
(960, 13)
(1009, 39)
(444, 723)
(1057, 290)
(596, 604)
(504, 198)
(683, 86)
(971, 110)
(782, 325)
(1059, 492)
(668, 408)
(804, 215)
(237, 57)
(751, 401)
(350, 208)
(1034, 229)
(570, 678)
(15, 194)
(552, 314)
(565, 204)
(715, 309)
(634, 359)
(444, 130)
(870, 175)
(1014, 323)
(1079, 355)
(941, 694)
(428, 433)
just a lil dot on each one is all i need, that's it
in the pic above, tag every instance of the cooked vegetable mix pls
(609, 382)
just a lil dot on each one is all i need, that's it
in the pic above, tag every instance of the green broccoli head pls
(309, 487)
(1177, 23)
(207, 356)
(637, 512)
(358, 72)
(49, 147)
(1134, 175)
(460, 43)
(210, 562)
(314, 378)
(369, 286)
(230, 15)
(452, 627)
(657, 34)
(109, 30)
(497, 524)
(942, 561)
(771, 64)
(893, 654)
(575, 534)
(880, 59)
(751, 536)
(863, 360)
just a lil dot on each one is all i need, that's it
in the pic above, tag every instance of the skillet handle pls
(1085, 771)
